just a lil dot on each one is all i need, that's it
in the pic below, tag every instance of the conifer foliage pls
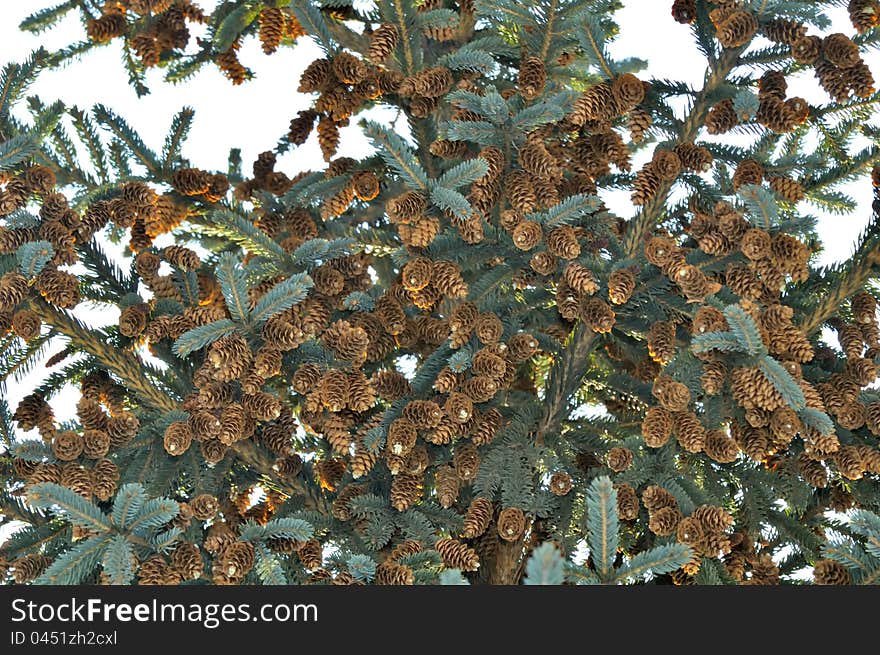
(449, 361)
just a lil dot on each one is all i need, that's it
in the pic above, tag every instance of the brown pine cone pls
(840, 50)
(477, 518)
(640, 122)
(619, 459)
(813, 472)
(788, 189)
(657, 427)
(737, 29)
(689, 431)
(466, 460)
(848, 460)
(694, 158)
(656, 497)
(67, 446)
(712, 519)
(664, 521)
(597, 314)
(511, 524)
(627, 502)
(236, 560)
(562, 242)
(684, 11)
(720, 447)
(106, 479)
(133, 320)
(830, 572)
(391, 572)
(780, 30)
(661, 342)
(628, 91)
(806, 50)
(178, 438)
(382, 43)
(527, 234)
(406, 490)
(156, 571)
(26, 324)
(756, 244)
(204, 507)
(721, 117)
(748, 171)
(773, 84)
(96, 443)
(29, 568)
(560, 484)
(187, 561)
(672, 395)
(272, 27)
(456, 555)
(301, 126)
(446, 483)
(310, 554)
(532, 77)
(423, 413)
(106, 27)
(646, 185)
(864, 14)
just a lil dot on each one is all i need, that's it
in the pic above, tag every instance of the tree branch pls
(641, 225)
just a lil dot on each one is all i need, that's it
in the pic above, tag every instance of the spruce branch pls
(838, 284)
(564, 379)
(121, 363)
(640, 226)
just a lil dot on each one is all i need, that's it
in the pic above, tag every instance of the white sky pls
(256, 114)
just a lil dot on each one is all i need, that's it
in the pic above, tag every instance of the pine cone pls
(382, 43)
(29, 568)
(457, 555)
(532, 77)
(390, 572)
(67, 446)
(840, 50)
(204, 507)
(722, 117)
(748, 171)
(26, 324)
(664, 521)
(406, 490)
(689, 431)
(780, 30)
(106, 479)
(328, 137)
(272, 26)
(661, 342)
(619, 459)
(627, 502)
(694, 158)
(684, 11)
(830, 572)
(466, 460)
(737, 29)
(790, 190)
(657, 427)
(864, 14)
(628, 91)
(655, 497)
(646, 185)
(806, 50)
(720, 447)
(187, 561)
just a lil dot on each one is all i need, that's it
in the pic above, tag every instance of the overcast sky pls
(256, 114)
